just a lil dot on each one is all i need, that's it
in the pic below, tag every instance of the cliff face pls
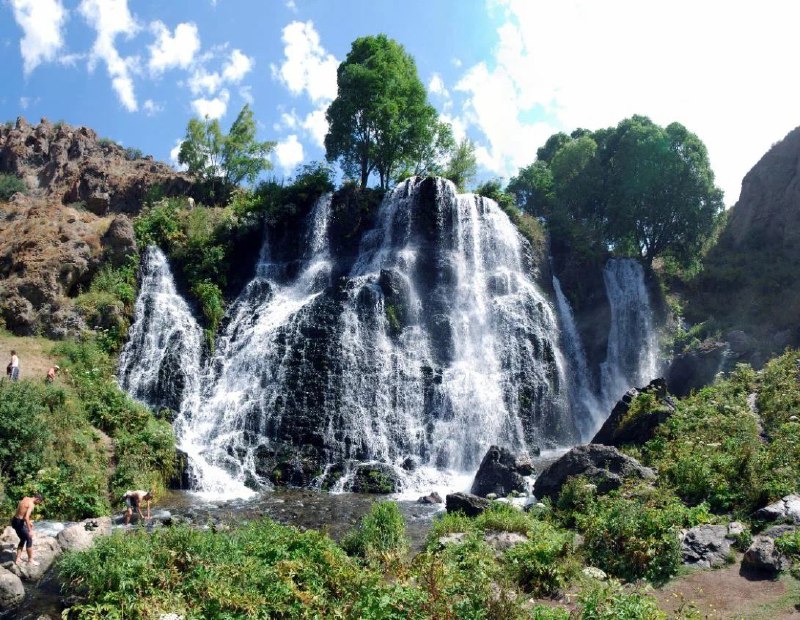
(750, 286)
(72, 218)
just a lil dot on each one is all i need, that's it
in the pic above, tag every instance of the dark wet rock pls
(707, 546)
(603, 466)
(432, 498)
(622, 429)
(181, 479)
(378, 478)
(785, 509)
(12, 592)
(696, 368)
(470, 505)
(499, 473)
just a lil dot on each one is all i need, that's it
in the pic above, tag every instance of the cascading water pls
(587, 409)
(632, 354)
(160, 363)
(434, 344)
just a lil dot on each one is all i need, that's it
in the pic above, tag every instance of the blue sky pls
(507, 73)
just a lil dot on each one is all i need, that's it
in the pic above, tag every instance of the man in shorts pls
(134, 499)
(21, 522)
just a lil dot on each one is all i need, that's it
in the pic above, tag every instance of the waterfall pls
(160, 363)
(632, 354)
(434, 344)
(587, 410)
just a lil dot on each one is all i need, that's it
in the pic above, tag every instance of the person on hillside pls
(134, 499)
(21, 522)
(14, 366)
(52, 373)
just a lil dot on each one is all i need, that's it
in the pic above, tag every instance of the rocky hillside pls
(750, 288)
(73, 217)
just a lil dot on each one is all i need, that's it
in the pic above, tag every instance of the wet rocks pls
(471, 505)
(431, 498)
(46, 550)
(500, 473)
(12, 592)
(378, 478)
(81, 536)
(621, 428)
(603, 466)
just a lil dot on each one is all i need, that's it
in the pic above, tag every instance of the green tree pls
(219, 161)
(533, 188)
(463, 165)
(380, 119)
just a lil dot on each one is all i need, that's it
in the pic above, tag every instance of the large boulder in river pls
(501, 473)
(377, 478)
(470, 505)
(12, 592)
(81, 536)
(604, 466)
(635, 424)
(46, 550)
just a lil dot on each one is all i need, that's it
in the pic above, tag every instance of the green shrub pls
(779, 391)
(10, 184)
(380, 535)
(145, 458)
(610, 601)
(542, 565)
(24, 429)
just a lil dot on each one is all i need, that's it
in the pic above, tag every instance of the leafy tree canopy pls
(463, 165)
(221, 162)
(638, 188)
(380, 120)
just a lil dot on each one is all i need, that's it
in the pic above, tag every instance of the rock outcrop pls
(470, 505)
(12, 592)
(54, 238)
(622, 428)
(604, 466)
(501, 473)
(709, 546)
(763, 555)
(785, 509)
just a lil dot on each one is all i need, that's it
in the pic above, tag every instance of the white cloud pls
(289, 153)
(237, 67)
(308, 67)
(42, 23)
(173, 51)
(291, 5)
(173, 156)
(618, 59)
(436, 86)
(203, 82)
(110, 18)
(246, 93)
(152, 108)
(212, 108)
(316, 125)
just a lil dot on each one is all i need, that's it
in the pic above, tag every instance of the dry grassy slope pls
(35, 354)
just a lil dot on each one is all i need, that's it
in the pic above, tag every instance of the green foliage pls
(10, 184)
(462, 165)
(779, 395)
(133, 154)
(381, 119)
(381, 535)
(542, 565)
(611, 601)
(221, 162)
(24, 407)
(145, 457)
(634, 534)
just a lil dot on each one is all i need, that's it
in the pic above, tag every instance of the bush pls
(9, 185)
(542, 565)
(610, 601)
(381, 535)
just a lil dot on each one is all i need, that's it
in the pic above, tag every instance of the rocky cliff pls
(73, 217)
(750, 287)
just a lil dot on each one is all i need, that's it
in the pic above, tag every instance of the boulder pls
(12, 592)
(432, 498)
(378, 478)
(785, 509)
(603, 466)
(696, 368)
(621, 429)
(764, 557)
(499, 473)
(452, 539)
(119, 242)
(470, 505)
(46, 550)
(502, 541)
(81, 536)
(706, 546)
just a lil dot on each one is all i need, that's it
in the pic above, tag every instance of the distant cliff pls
(750, 287)
(72, 217)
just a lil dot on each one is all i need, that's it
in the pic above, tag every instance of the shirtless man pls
(21, 522)
(133, 499)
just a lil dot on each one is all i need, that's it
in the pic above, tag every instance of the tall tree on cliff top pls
(380, 119)
(219, 161)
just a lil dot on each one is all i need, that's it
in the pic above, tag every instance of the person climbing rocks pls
(52, 373)
(14, 366)
(21, 522)
(134, 499)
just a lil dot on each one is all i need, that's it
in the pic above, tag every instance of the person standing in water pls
(134, 499)
(21, 522)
